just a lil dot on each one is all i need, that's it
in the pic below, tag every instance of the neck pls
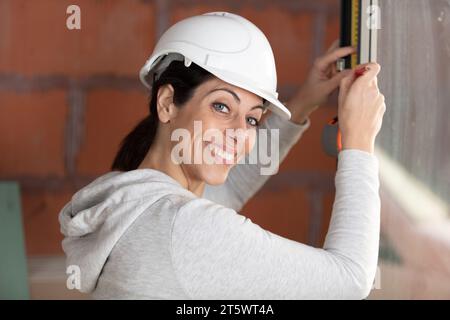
(157, 157)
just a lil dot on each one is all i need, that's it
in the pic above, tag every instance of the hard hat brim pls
(274, 105)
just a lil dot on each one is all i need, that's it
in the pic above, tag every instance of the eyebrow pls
(236, 97)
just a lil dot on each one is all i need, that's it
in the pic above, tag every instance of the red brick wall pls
(68, 97)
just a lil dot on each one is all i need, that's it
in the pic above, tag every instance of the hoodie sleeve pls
(220, 254)
(245, 179)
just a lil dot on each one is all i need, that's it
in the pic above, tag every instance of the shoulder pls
(205, 211)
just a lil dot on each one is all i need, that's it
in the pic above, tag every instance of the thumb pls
(345, 84)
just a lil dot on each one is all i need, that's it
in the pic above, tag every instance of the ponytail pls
(136, 145)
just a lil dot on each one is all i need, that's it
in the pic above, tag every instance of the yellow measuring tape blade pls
(355, 30)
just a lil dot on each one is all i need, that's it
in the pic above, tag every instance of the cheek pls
(204, 130)
(250, 141)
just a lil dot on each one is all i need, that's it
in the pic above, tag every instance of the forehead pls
(216, 83)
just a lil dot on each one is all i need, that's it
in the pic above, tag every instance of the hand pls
(361, 109)
(322, 80)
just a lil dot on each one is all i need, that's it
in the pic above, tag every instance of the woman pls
(157, 228)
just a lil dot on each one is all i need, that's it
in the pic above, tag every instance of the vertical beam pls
(74, 128)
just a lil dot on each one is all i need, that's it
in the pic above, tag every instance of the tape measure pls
(355, 23)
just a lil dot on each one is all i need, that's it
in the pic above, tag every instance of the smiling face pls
(229, 117)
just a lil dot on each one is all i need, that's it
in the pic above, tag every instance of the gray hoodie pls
(141, 235)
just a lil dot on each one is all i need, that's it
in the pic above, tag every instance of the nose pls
(241, 123)
(239, 128)
(238, 134)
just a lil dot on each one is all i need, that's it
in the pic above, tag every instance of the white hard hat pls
(227, 45)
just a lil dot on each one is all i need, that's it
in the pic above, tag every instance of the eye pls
(253, 122)
(220, 107)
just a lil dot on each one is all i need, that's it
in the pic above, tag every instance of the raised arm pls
(219, 254)
(245, 179)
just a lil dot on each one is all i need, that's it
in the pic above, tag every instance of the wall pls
(68, 97)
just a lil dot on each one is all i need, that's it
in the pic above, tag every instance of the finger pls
(333, 56)
(333, 70)
(380, 110)
(372, 70)
(374, 81)
(333, 46)
(380, 101)
(345, 84)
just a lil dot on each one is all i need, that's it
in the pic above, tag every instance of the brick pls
(110, 116)
(115, 37)
(280, 214)
(291, 35)
(32, 130)
(41, 225)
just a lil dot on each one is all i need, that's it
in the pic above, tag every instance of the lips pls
(223, 154)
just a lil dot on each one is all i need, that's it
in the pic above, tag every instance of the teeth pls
(223, 154)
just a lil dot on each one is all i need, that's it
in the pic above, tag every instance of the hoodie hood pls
(100, 213)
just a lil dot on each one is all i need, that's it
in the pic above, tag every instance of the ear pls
(164, 104)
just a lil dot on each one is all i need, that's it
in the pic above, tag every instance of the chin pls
(215, 174)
